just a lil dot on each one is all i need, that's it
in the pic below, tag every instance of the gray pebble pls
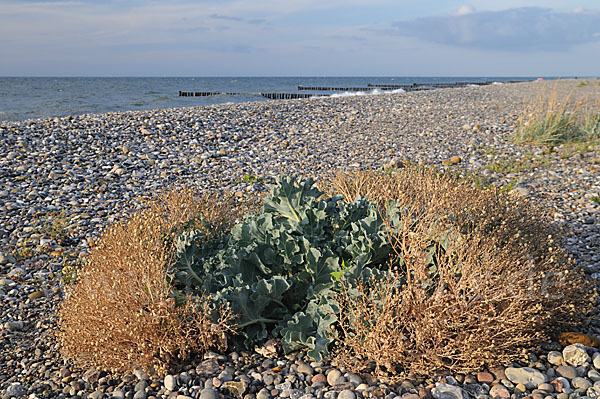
(14, 325)
(568, 372)
(140, 395)
(581, 383)
(347, 394)
(15, 390)
(208, 393)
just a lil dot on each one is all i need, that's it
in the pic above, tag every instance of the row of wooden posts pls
(290, 96)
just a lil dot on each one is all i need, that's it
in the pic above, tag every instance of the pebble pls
(140, 395)
(575, 355)
(499, 391)
(334, 377)
(447, 391)
(531, 378)
(346, 394)
(568, 372)
(485, 377)
(596, 360)
(15, 390)
(209, 393)
(14, 325)
(170, 382)
(580, 383)
(555, 358)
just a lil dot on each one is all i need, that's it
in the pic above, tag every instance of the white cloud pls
(465, 10)
(518, 29)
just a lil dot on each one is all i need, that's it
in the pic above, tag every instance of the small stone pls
(596, 360)
(562, 396)
(560, 383)
(305, 368)
(531, 378)
(410, 396)
(36, 295)
(318, 378)
(455, 160)
(96, 395)
(14, 325)
(575, 355)
(334, 377)
(568, 372)
(91, 376)
(263, 394)
(498, 373)
(447, 391)
(209, 393)
(118, 394)
(578, 338)
(499, 391)
(170, 383)
(555, 358)
(236, 388)
(15, 390)
(520, 388)
(140, 386)
(347, 394)
(353, 378)
(581, 383)
(225, 376)
(485, 377)
(593, 375)
(140, 395)
(140, 375)
(208, 367)
(546, 387)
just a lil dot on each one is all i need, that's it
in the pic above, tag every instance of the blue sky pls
(300, 38)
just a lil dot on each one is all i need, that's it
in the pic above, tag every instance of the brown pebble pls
(486, 377)
(498, 372)
(425, 393)
(319, 378)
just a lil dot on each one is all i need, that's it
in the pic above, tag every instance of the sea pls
(46, 97)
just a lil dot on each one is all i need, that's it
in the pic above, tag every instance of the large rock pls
(575, 355)
(527, 376)
(447, 391)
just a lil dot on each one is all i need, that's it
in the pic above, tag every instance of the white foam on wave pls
(374, 92)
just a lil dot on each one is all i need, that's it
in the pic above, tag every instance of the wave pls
(374, 92)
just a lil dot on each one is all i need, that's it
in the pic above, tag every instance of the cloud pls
(465, 10)
(517, 29)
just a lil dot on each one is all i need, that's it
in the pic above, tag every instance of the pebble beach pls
(63, 180)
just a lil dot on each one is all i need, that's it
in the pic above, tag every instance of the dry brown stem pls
(502, 285)
(120, 313)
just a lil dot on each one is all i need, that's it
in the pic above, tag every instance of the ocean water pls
(37, 97)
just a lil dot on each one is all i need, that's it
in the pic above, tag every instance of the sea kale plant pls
(279, 270)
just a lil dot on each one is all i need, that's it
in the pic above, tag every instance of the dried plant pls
(121, 313)
(501, 284)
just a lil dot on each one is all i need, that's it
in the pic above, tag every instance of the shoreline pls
(78, 174)
(48, 98)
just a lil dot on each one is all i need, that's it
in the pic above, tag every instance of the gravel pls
(63, 180)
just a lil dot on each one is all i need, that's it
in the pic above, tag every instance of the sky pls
(300, 38)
